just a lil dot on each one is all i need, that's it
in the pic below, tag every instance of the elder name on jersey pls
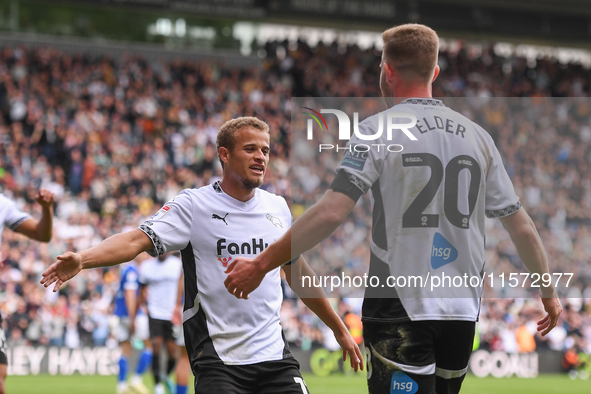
(426, 124)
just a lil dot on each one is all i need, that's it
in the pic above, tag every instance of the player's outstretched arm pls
(117, 249)
(41, 230)
(315, 299)
(531, 251)
(317, 223)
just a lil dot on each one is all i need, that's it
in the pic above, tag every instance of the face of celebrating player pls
(245, 165)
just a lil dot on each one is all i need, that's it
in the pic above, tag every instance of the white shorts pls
(142, 331)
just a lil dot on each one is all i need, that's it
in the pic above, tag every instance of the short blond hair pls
(412, 49)
(226, 135)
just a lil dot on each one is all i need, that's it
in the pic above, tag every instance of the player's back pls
(429, 205)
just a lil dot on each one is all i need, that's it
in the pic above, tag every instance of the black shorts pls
(270, 377)
(422, 357)
(161, 328)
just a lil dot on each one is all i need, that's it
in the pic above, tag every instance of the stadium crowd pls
(116, 138)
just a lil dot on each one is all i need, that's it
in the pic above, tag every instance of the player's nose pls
(260, 155)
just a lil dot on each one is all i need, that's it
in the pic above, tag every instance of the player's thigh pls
(453, 348)
(227, 379)
(400, 357)
(280, 377)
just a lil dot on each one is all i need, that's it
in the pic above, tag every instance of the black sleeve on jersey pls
(293, 260)
(343, 183)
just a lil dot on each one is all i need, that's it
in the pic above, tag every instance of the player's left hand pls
(350, 347)
(244, 277)
(553, 310)
(45, 198)
(64, 269)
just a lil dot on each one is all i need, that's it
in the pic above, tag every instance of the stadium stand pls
(116, 136)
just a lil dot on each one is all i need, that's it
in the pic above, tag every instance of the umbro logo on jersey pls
(216, 216)
(275, 220)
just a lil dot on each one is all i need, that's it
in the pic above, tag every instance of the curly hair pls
(226, 135)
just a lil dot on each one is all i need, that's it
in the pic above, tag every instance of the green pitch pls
(338, 384)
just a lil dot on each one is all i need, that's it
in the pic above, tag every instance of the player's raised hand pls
(65, 268)
(243, 277)
(349, 346)
(45, 198)
(553, 310)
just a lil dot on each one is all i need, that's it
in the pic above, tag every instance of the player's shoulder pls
(206, 191)
(190, 195)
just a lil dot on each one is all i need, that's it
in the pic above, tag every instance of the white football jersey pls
(162, 280)
(429, 204)
(211, 229)
(10, 215)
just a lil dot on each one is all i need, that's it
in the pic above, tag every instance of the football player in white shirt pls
(159, 279)
(235, 346)
(21, 222)
(416, 341)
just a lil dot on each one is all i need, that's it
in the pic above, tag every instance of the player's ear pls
(390, 71)
(224, 154)
(436, 73)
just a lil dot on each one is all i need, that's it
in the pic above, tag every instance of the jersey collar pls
(424, 101)
(244, 205)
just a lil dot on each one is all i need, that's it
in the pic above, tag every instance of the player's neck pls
(237, 191)
(412, 91)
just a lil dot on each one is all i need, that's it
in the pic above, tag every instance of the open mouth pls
(257, 169)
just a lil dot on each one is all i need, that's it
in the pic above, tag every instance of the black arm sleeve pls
(348, 185)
